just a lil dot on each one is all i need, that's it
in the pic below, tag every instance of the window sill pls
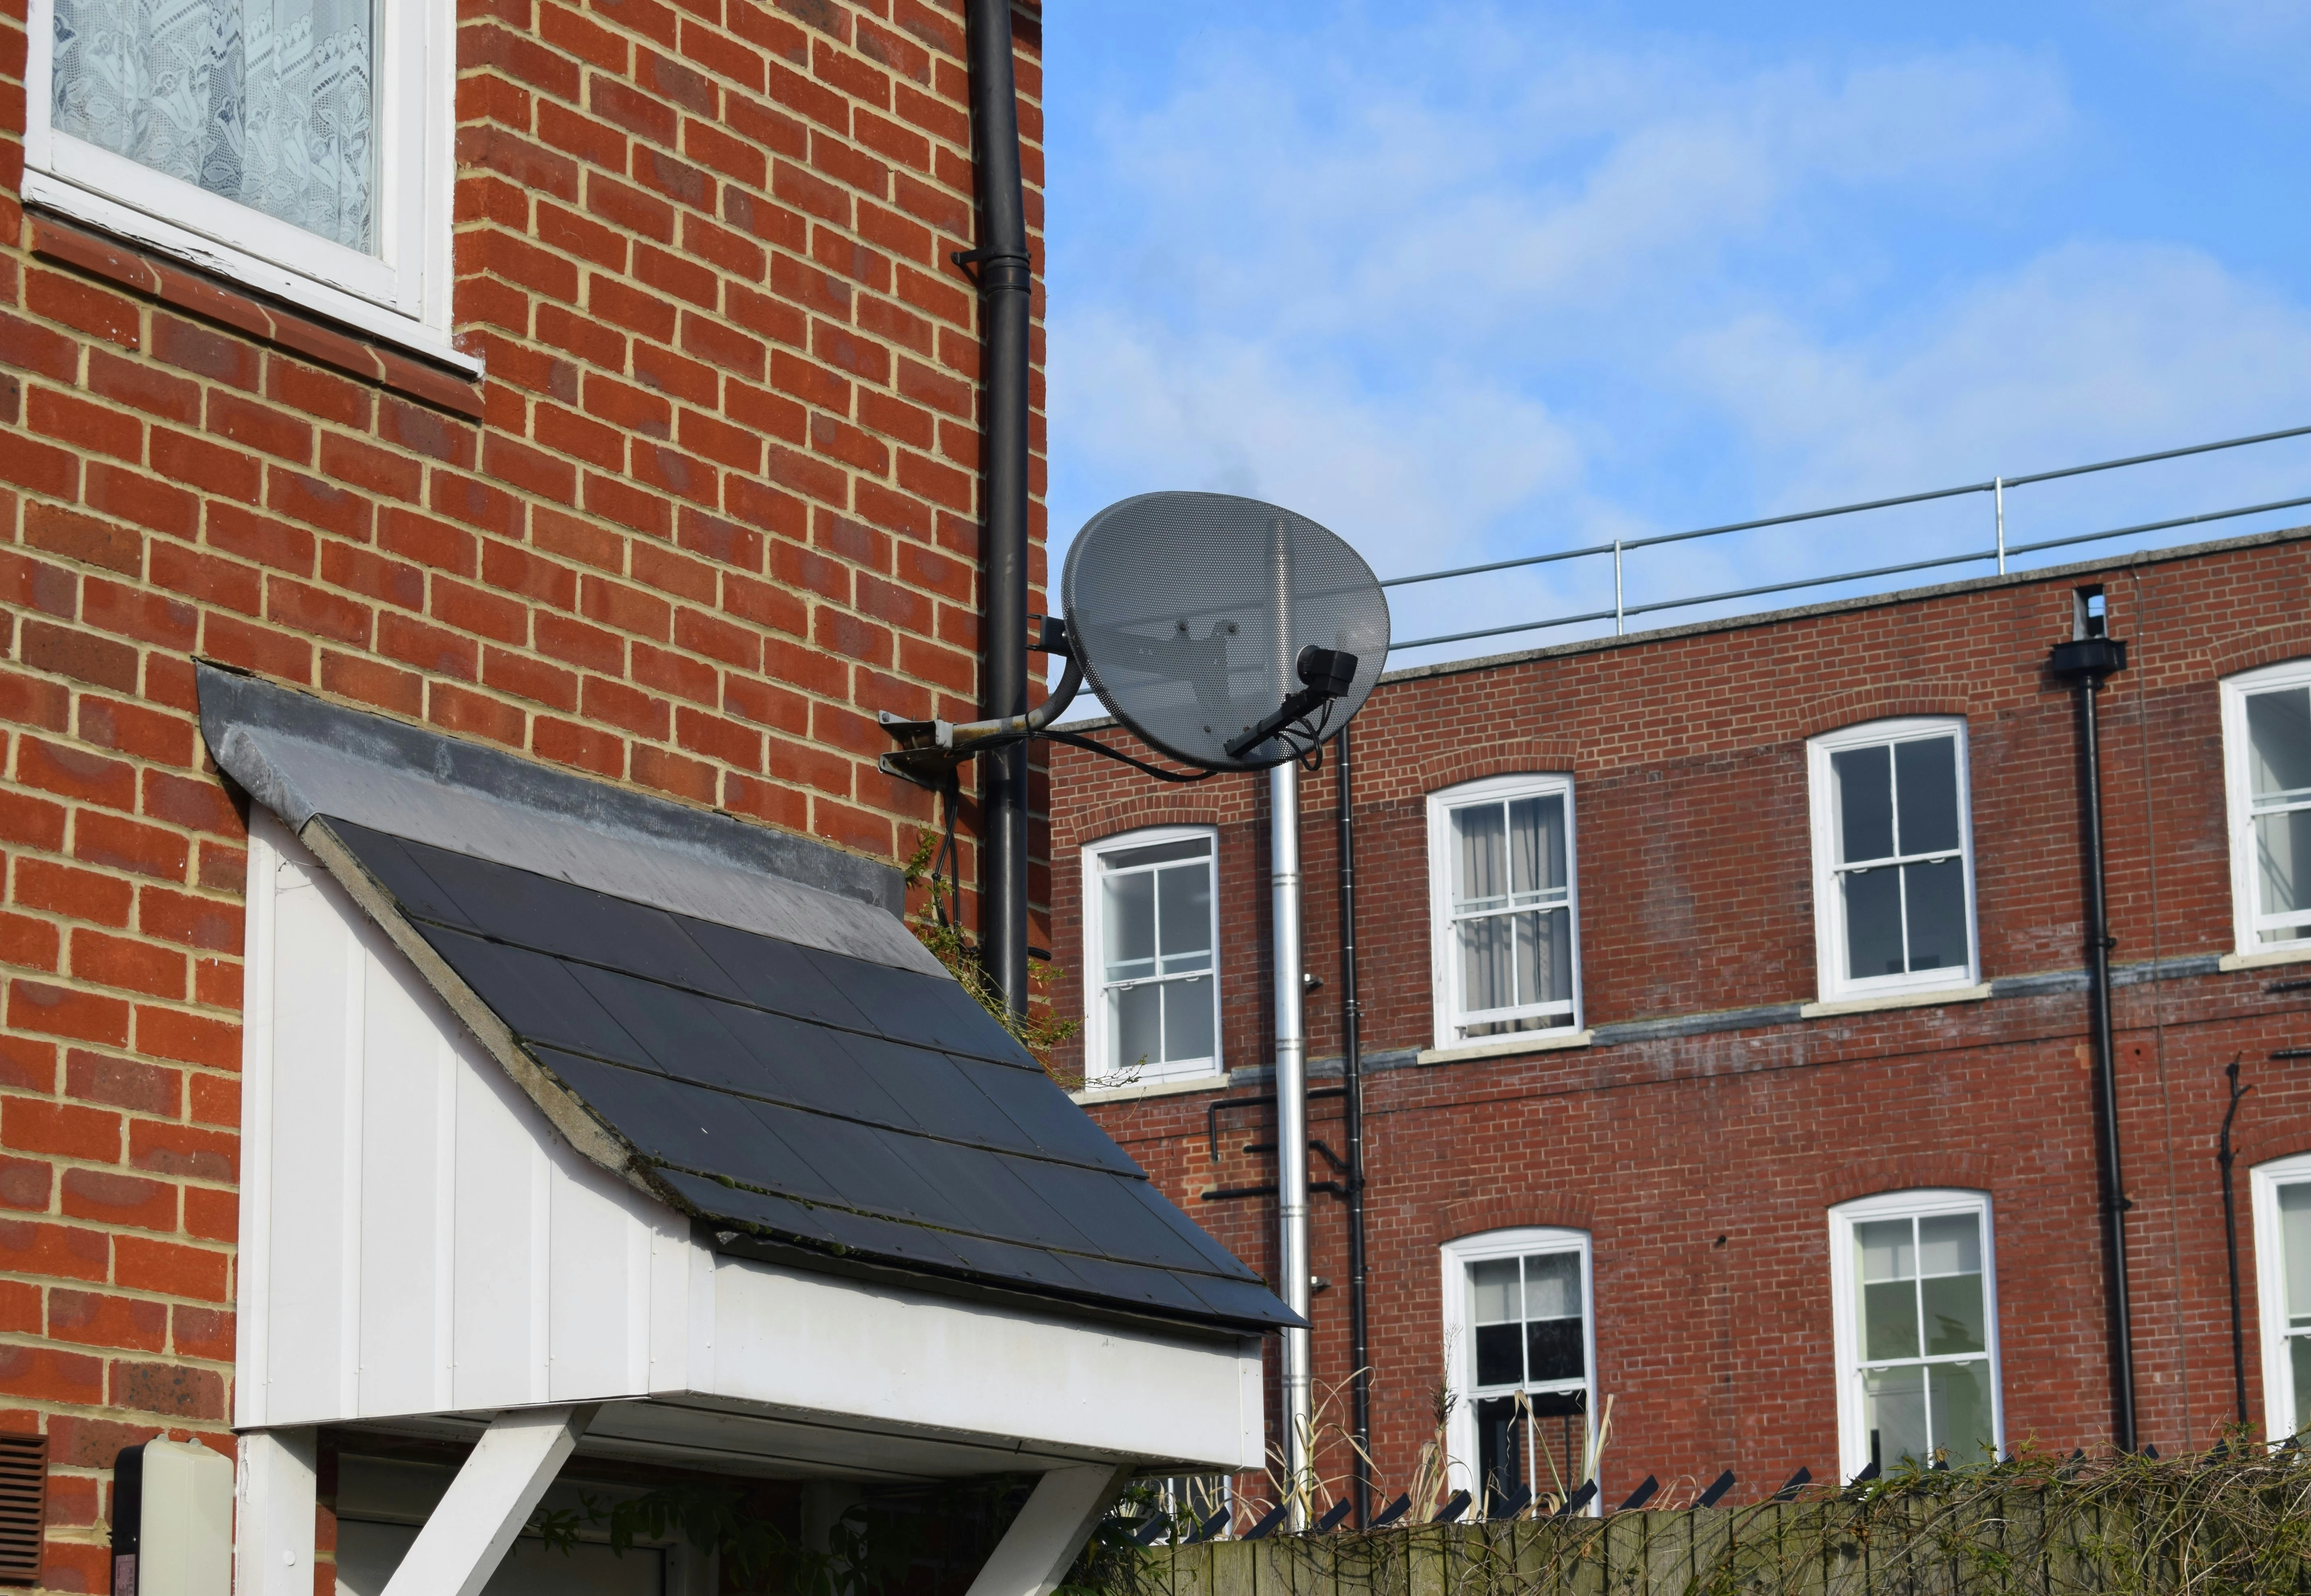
(1877, 1000)
(1502, 1047)
(1166, 1088)
(2298, 954)
(123, 261)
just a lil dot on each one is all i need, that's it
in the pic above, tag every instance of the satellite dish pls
(1229, 633)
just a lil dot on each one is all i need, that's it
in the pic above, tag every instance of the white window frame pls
(1830, 904)
(1443, 973)
(400, 294)
(2279, 1397)
(1459, 1336)
(2239, 801)
(1921, 1203)
(1094, 923)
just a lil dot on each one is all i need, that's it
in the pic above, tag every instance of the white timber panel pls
(423, 1241)
(801, 1342)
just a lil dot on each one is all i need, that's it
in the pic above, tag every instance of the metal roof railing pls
(2000, 552)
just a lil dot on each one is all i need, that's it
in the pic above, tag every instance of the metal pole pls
(1353, 1101)
(1291, 1127)
(1617, 586)
(1291, 1057)
(1006, 298)
(1998, 497)
(2098, 946)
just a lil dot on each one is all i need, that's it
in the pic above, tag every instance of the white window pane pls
(1480, 849)
(2279, 741)
(2282, 851)
(1156, 853)
(1934, 901)
(1958, 1411)
(1886, 1248)
(1552, 1286)
(1864, 780)
(1127, 929)
(1873, 921)
(2298, 1361)
(1537, 844)
(1925, 773)
(1487, 975)
(1499, 1297)
(270, 103)
(1950, 1244)
(1134, 1022)
(1894, 1411)
(1526, 957)
(2295, 1249)
(1556, 957)
(1188, 1020)
(1184, 910)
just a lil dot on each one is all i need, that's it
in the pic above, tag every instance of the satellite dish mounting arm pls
(928, 750)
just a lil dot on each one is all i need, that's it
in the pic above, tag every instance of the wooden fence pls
(2024, 1542)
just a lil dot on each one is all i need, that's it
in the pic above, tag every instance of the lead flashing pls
(301, 755)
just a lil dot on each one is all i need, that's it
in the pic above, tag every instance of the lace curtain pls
(269, 102)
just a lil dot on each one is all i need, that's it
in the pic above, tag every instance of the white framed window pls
(1522, 1350)
(1503, 909)
(2267, 776)
(1151, 966)
(1916, 1298)
(1892, 859)
(2281, 1198)
(300, 147)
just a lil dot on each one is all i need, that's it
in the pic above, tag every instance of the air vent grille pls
(24, 1501)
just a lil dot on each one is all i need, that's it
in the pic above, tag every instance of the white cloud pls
(1495, 288)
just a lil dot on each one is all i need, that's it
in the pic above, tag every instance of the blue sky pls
(1467, 281)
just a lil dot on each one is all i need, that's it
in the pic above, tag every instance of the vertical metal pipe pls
(1291, 1056)
(1006, 294)
(1617, 586)
(1291, 1128)
(1997, 498)
(2098, 946)
(1352, 1080)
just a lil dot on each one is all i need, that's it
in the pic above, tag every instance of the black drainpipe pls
(2224, 1155)
(1001, 268)
(1353, 1101)
(2088, 660)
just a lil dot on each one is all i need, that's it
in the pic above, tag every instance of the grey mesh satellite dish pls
(1229, 635)
(1217, 627)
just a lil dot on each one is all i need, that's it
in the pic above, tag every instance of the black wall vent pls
(23, 1503)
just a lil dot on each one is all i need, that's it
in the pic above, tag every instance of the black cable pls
(950, 913)
(1076, 740)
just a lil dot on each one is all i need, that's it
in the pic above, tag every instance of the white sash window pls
(1503, 910)
(300, 147)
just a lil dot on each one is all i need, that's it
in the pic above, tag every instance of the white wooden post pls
(489, 1501)
(273, 1539)
(1060, 1514)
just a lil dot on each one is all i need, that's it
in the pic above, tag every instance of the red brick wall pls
(711, 507)
(1704, 1165)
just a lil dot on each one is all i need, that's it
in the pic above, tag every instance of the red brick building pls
(1776, 1125)
(628, 422)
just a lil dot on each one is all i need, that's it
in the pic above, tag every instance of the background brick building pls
(1713, 1119)
(709, 504)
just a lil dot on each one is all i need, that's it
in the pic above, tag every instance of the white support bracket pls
(489, 1501)
(273, 1540)
(1042, 1543)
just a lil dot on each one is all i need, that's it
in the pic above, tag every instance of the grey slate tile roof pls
(797, 1094)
